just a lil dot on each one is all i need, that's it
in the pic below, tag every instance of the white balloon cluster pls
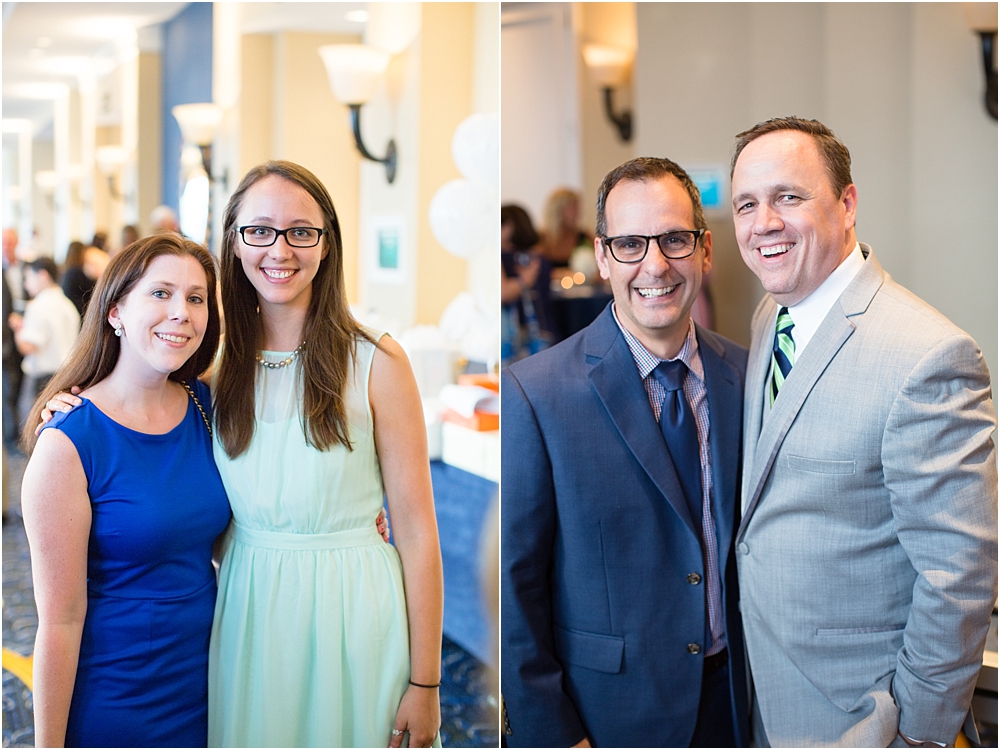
(463, 213)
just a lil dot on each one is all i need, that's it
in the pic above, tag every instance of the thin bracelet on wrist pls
(421, 685)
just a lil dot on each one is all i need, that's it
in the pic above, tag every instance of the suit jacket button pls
(694, 648)
(743, 548)
(694, 579)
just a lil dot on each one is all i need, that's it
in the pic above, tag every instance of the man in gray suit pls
(867, 551)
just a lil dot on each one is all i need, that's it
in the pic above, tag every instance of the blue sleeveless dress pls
(158, 504)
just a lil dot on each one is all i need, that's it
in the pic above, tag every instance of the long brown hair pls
(331, 332)
(96, 351)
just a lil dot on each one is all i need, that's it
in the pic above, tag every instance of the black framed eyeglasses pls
(674, 245)
(259, 236)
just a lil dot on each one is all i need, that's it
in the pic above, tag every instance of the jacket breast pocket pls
(820, 465)
(602, 653)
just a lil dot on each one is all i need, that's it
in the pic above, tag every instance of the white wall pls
(540, 141)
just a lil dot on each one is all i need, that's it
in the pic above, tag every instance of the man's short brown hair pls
(640, 170)
(834, 153)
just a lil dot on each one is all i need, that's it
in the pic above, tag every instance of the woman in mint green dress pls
(323, 634)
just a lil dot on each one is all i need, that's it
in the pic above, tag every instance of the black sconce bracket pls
(623, 121)
(390, 151)
(989, 39)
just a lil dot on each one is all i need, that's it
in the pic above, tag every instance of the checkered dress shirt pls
(697, 396)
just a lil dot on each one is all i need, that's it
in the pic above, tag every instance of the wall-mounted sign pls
(713, 184)
(387, 250)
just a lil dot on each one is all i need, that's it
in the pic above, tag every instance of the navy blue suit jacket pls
(598, 543)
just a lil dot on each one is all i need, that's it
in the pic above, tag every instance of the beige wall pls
(149, 150)
(107, 209)
(446, 66)
(900, 83)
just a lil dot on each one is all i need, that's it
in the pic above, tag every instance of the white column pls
(60, 156)
(88, 138)
(129, 62)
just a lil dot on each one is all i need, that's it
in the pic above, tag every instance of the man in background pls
(619, 499)
(48, 330)
(868, 545)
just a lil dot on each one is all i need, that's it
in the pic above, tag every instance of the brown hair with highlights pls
(96, 351)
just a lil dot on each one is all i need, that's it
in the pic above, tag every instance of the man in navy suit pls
(621, 450)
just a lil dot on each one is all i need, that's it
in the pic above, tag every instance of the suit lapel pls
(833, 332)
(758, 366)
(722, 383)
(615, 378)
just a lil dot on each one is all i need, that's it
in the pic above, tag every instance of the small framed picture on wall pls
(387, 249)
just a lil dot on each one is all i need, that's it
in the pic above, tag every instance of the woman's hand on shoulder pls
(419, 714)
(62, 401)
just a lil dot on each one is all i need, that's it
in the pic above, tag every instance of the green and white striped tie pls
(783, 356)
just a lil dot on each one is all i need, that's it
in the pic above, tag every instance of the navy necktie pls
(681, 434)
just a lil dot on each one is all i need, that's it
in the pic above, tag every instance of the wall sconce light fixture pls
(47, 180)
(610, 67)
(109, 160)
(199, 123)
(982, 19)
(354, 71)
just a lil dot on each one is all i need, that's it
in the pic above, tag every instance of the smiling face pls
(281, 274)
(792, 229)
(653, 298)
(164, 317)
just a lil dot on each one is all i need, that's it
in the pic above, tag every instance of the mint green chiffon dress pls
(309, 645)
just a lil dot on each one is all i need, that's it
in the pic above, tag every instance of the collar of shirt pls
(809, 313)
(49, 291)
(647, 362)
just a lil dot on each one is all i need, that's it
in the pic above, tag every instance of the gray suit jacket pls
(867, 552)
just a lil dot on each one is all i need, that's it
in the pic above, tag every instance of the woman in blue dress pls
(122, 503)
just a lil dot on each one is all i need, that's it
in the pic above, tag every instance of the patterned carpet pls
(468, 689)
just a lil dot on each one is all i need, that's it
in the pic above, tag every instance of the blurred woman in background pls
(76, 285)
(562, 234)
(526, 325)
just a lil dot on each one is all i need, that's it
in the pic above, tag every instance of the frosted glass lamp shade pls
(354, 70)
(980, 16)
(608, 65)
(110, 159)
(198, 122)
(46, 180)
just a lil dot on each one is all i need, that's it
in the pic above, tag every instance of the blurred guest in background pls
(48, 330)
(95, 261)
(76, 285)
(164, 219)
(12, 375)
(129, 235)
(562, 234)
(13, 269)
(100, 240)
(524, 289)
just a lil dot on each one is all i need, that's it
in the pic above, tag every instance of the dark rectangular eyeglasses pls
(674, 245)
